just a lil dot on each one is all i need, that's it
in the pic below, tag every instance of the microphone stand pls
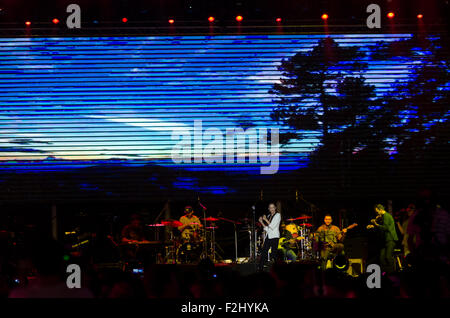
(163, 210)
(235, 223)
(253, 238)
(312, 208)
(205, 244)
(157, 218)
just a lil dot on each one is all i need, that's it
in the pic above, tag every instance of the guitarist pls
(271, 225)
(330, 239)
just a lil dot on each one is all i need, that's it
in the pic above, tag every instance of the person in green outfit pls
(385, 222)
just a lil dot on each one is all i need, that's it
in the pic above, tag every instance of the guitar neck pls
(350, 227)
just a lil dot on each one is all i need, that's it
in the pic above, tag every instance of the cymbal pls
(212, 227)
(211, 219)
(305, 224)
(156, 224)
(300, 218)
(143, 243)
(172, 223)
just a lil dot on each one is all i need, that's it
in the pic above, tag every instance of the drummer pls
(191, 224)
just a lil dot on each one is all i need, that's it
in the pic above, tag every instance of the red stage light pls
(278, 19)
(211, 19)
(324, 16)
(419, 16)
(239, 18)
(171, 21)
(390, 15)
(124, 20)
(28, 23)
(55, 21)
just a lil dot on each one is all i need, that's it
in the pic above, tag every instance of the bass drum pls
(195, 236)
(293, 229)
(189, 253)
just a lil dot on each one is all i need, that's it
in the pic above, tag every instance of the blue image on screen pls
(76, 102)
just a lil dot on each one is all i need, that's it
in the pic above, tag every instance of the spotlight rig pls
(195, 17)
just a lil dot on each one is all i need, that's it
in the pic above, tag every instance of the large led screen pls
(227, 115)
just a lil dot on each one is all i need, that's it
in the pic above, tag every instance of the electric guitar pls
(284, 241)
(331, 244)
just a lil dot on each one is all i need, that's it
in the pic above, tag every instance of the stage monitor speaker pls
(355, 267)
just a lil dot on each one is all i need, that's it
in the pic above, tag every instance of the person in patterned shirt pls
(330, 238)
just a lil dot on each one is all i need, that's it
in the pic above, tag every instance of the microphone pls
(199, 203)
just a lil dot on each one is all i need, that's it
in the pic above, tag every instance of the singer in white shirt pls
(272, 234)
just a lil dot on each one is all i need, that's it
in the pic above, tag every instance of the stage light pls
(419, 16)
(171, 21)
(124, 20)
(27, 23)
(55, 21)
(390, 15)
(324, 16)
(278, 19)
(211, 19)
(239, 18)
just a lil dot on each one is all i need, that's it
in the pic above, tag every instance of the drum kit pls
(303, 236)
(199, 241)
(191, 245)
